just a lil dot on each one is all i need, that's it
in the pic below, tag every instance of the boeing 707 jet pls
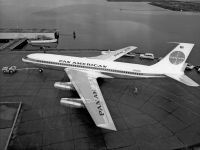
(84, 71)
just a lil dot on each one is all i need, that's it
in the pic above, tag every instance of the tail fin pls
(173, 65)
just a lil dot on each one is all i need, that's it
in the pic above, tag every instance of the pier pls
(17, 43)
(18, 38)
(28, 34)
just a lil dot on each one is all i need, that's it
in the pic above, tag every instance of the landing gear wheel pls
(40, 70)
(10, 71)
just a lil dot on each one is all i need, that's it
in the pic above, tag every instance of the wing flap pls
(89, 91)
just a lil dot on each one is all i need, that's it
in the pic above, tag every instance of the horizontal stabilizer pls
(183, 78)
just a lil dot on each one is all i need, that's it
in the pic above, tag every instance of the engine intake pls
(64, 85)
(72, 102)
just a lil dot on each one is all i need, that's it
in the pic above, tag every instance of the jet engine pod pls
(72, 102)
(64, 85)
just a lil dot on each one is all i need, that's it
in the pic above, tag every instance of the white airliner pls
(83, 73)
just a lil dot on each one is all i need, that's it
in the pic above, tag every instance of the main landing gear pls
(40, 70)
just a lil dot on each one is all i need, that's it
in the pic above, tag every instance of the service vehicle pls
(130, 55)
(9, 70)
(147, 56)
(197, 68)
(189, 66)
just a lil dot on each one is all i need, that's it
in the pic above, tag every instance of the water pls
(103, 25)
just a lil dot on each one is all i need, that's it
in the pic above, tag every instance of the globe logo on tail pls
(176, 57)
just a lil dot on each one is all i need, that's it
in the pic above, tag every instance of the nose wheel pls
(40, 70)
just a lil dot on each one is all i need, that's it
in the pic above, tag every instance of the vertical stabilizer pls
(173, 65)
(174, 62)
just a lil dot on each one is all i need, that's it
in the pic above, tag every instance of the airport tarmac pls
(164, 114)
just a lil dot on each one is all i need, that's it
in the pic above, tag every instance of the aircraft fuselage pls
(111, 68)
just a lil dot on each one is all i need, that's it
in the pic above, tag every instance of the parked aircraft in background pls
(83, 73)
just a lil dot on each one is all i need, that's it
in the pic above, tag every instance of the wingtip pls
(195, 84)
(133, 47)
(110, 126)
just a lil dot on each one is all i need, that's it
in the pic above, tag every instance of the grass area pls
(173, 5)
(178, 5)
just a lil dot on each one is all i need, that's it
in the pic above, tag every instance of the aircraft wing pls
(89, 91)
(113, 55)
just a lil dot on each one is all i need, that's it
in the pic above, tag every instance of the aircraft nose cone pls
(33, 56)
(30, 55)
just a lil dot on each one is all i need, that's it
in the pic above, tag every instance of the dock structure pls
(4, 46)
(13, 44)
(7, 34)
(17, 38)
(17, 43)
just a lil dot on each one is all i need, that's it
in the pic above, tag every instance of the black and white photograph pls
(100, 75)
